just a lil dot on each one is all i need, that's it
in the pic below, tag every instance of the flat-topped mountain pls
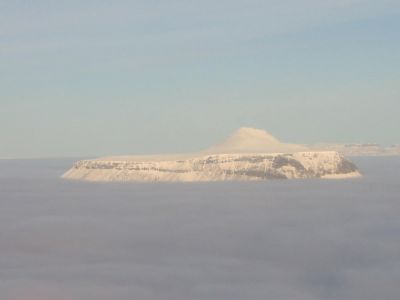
(248, 154)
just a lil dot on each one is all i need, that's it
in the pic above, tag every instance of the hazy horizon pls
(89, 78)
(205, 150)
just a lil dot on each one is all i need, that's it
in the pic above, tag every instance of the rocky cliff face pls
(218, 167)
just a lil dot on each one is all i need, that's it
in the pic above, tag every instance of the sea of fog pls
(301, 239)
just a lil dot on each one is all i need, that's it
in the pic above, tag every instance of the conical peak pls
(253, 140)
(249, 133)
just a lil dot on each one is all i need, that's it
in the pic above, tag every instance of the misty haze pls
(278, 239)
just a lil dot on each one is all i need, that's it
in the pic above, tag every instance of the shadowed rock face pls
(345, 166)
(282, 161)
(217, 167)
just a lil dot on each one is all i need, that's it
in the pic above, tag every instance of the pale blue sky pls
(83, 78)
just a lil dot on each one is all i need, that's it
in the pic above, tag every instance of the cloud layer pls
(272, 240)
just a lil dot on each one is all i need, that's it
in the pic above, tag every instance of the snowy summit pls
(252, 140)
(248, 154)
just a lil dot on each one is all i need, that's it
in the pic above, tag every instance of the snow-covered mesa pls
(249, 154)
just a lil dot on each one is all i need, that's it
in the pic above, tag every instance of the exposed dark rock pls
(346, 166)
(281, 161)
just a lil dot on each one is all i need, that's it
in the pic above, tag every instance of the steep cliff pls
(218, 167)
